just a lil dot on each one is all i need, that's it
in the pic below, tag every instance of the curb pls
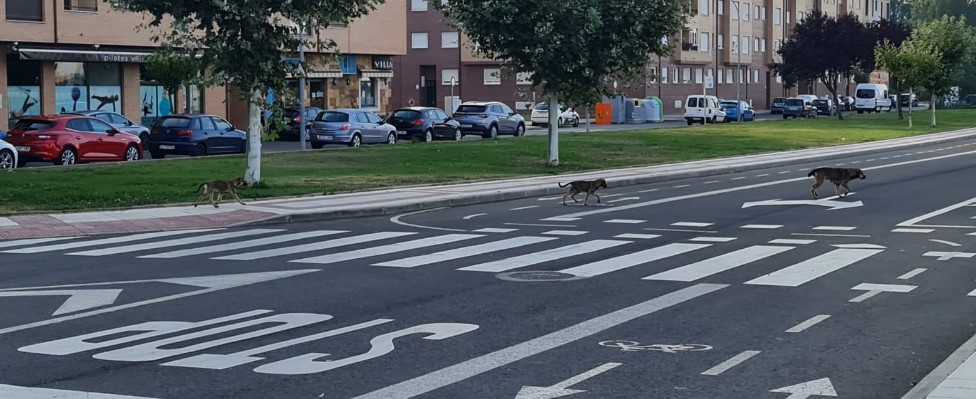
(505, 195)
(942, 371)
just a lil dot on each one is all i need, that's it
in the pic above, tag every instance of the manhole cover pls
(537, 276)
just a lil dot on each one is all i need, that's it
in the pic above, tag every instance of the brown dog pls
(583, 186)
(219, 188)
(838, 176)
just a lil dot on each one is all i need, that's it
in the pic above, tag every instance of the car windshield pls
(27, 125)
(406, 114)
(779, 100)
(174, 122)
(794, 101)
(471, 108)
(728, 104)
(332, 116)
(819, 102)
(542, 107)
(865, 93)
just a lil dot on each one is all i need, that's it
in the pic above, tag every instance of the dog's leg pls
(846, 188)
(200, 198)
(586, 198)
(234, 193)
(816, 185)
(597, 197)
(215, 199)
(837, 189)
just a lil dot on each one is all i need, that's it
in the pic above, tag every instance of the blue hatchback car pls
(737, 111)
(195, 135)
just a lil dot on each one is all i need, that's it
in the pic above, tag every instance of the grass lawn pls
(116, 185)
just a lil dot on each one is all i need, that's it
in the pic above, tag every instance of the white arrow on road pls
(833, 205)
(821, 387)
(561, 389)
(77, 301)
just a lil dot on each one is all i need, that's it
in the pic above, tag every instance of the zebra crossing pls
(474, 252)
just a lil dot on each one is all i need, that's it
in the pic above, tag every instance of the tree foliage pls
(172, 69)
(877, 32)
(953, 40)
(930, 10)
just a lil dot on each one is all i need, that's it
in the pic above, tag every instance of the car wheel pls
(784, 117)
(6, 159)
(131, 153)
(492, 132)
(689, 122)
(157, 155)
(458, 135)
(68, 157)
(201, 150)
(520, 130)
(317, 146)
(428, 136)
(559, 122)
(576, 122)
(243, 149)
(391, 138)
(356, 140)
(742, 118)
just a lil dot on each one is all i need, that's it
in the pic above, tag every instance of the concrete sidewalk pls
(406, 199)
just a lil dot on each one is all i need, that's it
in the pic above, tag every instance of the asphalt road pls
(700, 288)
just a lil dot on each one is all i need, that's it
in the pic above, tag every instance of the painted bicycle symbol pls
(633, 346)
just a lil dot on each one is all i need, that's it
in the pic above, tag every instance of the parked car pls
(737, 111)
(3, 134)
(69, 139)
(776, 107)
(703, 108)
(797, 107)
(352, 127)
(907, 99)
(540, 115)
(824, 107)
(195, 135)
(8, 155)
(119, 122)
(294, 120)
(424, 123)
(488, 119)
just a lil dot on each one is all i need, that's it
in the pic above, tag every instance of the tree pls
(172, 69)
(571, 47)
(243, 41)
(818, 50)
(952, 39)
(912, 63)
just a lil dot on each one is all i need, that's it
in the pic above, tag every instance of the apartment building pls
(730, 43)
(64, 55)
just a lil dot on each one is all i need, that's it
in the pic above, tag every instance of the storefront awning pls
(70, 55)
(377, 74)
(317, 75)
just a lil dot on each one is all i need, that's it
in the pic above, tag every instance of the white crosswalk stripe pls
(718, 264)
(244, 244)
(173, 243)
(387, 249)
(103, 241)
(465, 252)
(296, 249)
(814, 268)
(630, 260)
(544, 256)
(32, 241)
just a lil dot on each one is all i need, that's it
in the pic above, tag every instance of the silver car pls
(351, 127)
(119, 122)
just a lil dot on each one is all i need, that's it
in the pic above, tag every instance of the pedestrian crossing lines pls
(652, 256)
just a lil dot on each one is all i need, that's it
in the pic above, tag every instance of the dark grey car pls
(489, 119)
(351, 127)
(119, 122)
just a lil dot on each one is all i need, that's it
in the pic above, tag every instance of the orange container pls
(603, 111)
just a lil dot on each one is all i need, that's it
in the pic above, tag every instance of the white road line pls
(465, 252)
(32, 241)
(783, 172)
(949, 243)
(315, 246)
(494, 230)
(610, 195)
(636, 236)
(650, 190)
(863, 297)
(630, 260)
(814, 268)
(728, 364)
(550, 198)
(831, 235)
(789, 241)
(173, 243)
(386, 249)
(834, 228)
(948, 255)
(763, 175)
(869, 160)
(569, 233)
(906, 230)
(739, 178)
(719, 264)
(808, 323)
(485, 363)
(567, 251)
(761, 226)
(680, 230)
(862, 246)
(540, 224)
(692, 224)
(524, 207)
(7, 222)
(469, 217)
(713, 182)
(884, 287)
(244, 244)
(681, 186)
(712, 239)
(396, 219)
(911, 222)
(624, 221)
(103, 241)
(15, 392)
(912, 273)
(623, 199)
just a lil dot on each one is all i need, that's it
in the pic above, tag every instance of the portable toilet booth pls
(653, 109)
(634, 111)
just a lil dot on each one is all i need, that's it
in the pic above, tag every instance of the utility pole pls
(738, 40)
(301, 84)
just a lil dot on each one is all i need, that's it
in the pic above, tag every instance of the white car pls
(540, 115)
(8, 155)
(703, 109)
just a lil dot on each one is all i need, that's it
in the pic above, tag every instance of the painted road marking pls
(244, 244)
(624, 221)
(712, 182)
(636, 236)
(516, 262)
(681, 186)
(739, 178)
(835, 228)
(494, 230)
(565, 232)
(789, 241)
(31, 241)
(464, 252)
(469, 217)
(173, 243)
(949, 243)
(948, 255)
(913, 222)
(524, 207)
(861, 246)
(865, 296)
(728, 364)
(814, 268)
(712, 239)
(386, 249)
(907, 230)
(761, 226)
(315, 246)
(808, 323)
(633, 259)
(104, 241)
(831, 235)
(912, 273)
(692, 224)
(623, 199)
(875, 289)
(719, 264)
(680, 230)
(482, 364)
(15, 392)
(651, 190)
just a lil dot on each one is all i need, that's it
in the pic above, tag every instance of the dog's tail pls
(813, 172)
(199, 187)
(561, 185)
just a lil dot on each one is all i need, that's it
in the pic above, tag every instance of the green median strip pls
(116, 185)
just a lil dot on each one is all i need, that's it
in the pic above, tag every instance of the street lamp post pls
(302, 131)
(453, 82)
(738, 40)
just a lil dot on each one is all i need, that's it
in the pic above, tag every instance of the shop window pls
(23, 88)
(367, 93)
(81, 5)
(104, 86)
(155, 100)
(493, 77)
(347, 64)
(24, 10)
(83, 86)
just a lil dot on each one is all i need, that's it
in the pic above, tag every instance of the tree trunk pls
(933, 110)
(832, 88)
(898, 99)
(553, 130)
(253, 173)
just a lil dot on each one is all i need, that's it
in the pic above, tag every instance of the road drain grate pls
(532, 275)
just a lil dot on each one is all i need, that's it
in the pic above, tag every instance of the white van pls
(871, 97)
(703, 108)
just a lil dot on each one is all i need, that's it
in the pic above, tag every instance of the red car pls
(70, 139)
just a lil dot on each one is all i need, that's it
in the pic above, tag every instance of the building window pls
(664, 74)
(704, 42)
(23, 88)
(720, 75)
(493, 77)
(82, 86)
(776, 44)
(728, 75)
(652, 75)
(735, 10)
(699, 76)
(789, 17)
(745, 47)
(447, 74)
(24, 10)
(721, 7)
(81, 5)
(703, 7)
(762, 45)
(755, 44)
(756, 13)
(449, 40)
(720, 41)
(418, 5)
(689, 39)
(745, 12)
(523, 78)
(674, 75)
(777, 16)
(762, 14)
(735, 44)
(347, 64)
(418, 40)
(685, 75)
(779, 79)
(367, 93)
(693, 7)
(742, 75)
(755, 76)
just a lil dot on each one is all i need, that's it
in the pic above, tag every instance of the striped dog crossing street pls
(472, 252)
